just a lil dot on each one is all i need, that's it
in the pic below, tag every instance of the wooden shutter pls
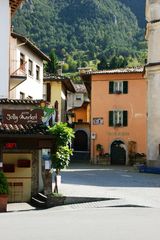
(125, 118)
(48, 92)
(125, 87)
(111, 87)
(111, 119)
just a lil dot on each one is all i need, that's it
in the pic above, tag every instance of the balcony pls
(18, 76)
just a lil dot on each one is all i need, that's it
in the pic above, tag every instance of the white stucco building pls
(21, 65)
(153, 76)
(26, 68)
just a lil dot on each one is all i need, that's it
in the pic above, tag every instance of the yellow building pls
(55, 90)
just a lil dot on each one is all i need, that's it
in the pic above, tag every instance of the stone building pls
(153, 77)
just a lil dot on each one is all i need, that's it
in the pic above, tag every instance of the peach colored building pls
(118, 112)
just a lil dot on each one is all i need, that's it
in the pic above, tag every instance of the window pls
(48, 91)
(118, 87)
(22, 61)
(22, 95)
(30, 68)
(118, 118)
(37, 72)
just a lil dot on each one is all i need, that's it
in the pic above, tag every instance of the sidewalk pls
(125, 184)
(18, 207)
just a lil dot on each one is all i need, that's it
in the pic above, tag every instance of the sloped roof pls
(20, 101)
(14, 5)
(58, 78)
(19, 129)
(116, 71)
(30, 45)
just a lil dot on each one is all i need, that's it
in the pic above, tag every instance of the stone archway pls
(118, 153)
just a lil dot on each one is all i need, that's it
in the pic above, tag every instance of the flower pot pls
(3, 202)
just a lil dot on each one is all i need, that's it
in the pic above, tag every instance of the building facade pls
(118, 113)
(25, 148)
(55, 90)
(153, 76)
(26, 69)
(7, 9)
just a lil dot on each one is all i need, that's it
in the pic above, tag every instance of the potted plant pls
(99, 148)
(4, 191)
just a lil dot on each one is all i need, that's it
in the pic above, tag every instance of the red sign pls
(22, 116)
(10, 145)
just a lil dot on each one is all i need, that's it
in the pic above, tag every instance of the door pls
(118, 153)
(80, 141)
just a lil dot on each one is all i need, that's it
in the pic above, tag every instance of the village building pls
(25, 149)
(7, 10)
(26, 68)
(78, 106)
(55, 91)
(118, 114)
(25, 142)
(153, 76)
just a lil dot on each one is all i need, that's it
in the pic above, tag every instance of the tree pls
(61, 158)
(118, 62)
(52, 66)
(102, 65)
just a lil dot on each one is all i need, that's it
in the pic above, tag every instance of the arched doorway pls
(118, 153)
(81, 141)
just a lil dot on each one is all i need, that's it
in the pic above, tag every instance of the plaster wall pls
(153, 36)
(134, 102)
(20, 175)
(31, 86)
(153, 114)
(4, 47)
(56, 88)
(152, 10)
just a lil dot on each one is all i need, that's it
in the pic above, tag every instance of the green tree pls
(61, 158)
(52, 66)
(102, 65)
(118, 62)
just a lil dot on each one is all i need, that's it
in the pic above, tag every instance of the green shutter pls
(125, 118)
(111, 118)
(111, 87)
(125, 87)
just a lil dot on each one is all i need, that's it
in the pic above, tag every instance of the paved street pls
(125, 183)
(82, 224)
(135, 215)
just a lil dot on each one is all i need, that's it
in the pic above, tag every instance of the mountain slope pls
(138, 8)
(82, 28)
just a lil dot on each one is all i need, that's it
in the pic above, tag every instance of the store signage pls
(22, 116)
(98, 121)
(10, 145)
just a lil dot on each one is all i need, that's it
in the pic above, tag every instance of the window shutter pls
(111, 119)
(111, 87)
(125, 118)
(48, 92)
(125, 87)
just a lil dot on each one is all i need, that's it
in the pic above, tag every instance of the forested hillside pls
(81, 31)
(138, 8)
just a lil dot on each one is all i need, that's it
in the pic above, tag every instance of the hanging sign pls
(14, 116)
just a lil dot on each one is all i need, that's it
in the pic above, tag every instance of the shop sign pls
(122, 134)
(10, 145)
(98, 121)
(13, 116)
